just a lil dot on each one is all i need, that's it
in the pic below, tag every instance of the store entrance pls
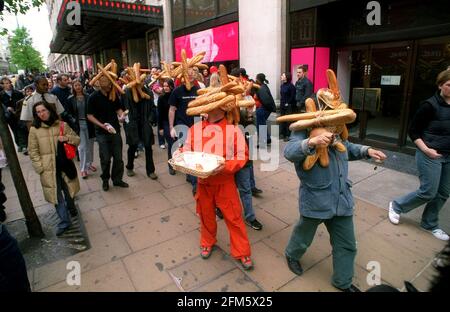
(377, 91)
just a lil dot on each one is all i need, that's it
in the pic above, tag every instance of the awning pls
(104, 24)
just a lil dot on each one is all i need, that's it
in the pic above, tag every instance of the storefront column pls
(165, 35)
(261, 38)
(83, 59)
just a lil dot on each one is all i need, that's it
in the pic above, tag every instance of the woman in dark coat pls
(139, 128)
(163, 118)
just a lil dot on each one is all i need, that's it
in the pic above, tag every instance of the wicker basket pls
(180, 166)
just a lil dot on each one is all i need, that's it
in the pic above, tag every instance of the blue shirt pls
(324, 192)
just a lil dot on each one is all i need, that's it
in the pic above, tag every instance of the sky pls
(37, 23)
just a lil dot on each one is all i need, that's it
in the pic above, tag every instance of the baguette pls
(195, 111)
(206, 100)
(340, 117)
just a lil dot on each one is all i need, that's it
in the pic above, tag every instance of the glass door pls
(389, 76)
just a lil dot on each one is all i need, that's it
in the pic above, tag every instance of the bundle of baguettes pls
(110, 72)
(228, 97)
(333, 118)
(134, 80)
(179, 70)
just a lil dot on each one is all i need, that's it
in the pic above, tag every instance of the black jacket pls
(10, 101)
(141, 119)
(431, 123)
(72, 109)
(266, 98)
(304, 89)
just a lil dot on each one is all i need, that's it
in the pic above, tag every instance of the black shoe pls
(294, 266)
(219, 213)
(352, 288)
(256, 191)
(171, 171)
(105, 186)
(254, 224)
(73, 212)
(2, 215)
(121, 184)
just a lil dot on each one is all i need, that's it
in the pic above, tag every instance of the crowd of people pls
(48, 111)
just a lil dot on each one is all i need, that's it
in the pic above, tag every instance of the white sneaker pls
(440, 234)
(393, 216)
(162, 147)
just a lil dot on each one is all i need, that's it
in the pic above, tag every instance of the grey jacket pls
(324, 192)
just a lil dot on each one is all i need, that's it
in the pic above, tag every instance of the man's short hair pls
(304, 68)
(60, 77)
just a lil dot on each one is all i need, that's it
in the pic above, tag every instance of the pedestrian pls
(139, 128)
(40, 95)
(9, 98)
(430, 131)
(157, 90)
(219, 189)
(105, 115)
(178, 101)
(267, 107)
(49, 160)
(22, 130)
(206, 77)
(20, 83)
(325, 197)
(62, 89)
(163, 118)
(2, 187)
(304, 88)
(77, 107)
(13, 270)
(287, 103)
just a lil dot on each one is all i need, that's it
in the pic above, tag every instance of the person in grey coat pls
(325, 197)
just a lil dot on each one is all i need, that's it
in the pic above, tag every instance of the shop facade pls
(385, 70)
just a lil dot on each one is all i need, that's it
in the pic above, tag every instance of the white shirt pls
(28, 104)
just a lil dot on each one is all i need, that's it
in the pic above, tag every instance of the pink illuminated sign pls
(317, 60)
(220, 44)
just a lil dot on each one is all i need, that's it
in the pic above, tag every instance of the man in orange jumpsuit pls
(215, 136)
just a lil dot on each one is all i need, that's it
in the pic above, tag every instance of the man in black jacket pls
(304, 88)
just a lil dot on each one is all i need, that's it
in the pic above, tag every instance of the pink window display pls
(220, 44)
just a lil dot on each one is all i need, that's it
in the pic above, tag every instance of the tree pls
(22, 52)
(17, 7)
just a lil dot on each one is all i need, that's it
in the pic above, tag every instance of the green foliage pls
(15, 7)
(23, 55)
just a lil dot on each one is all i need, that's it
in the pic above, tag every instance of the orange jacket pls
(220, 139)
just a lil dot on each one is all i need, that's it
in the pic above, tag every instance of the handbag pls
(69, 149)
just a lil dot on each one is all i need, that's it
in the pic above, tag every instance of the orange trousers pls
(225, 197)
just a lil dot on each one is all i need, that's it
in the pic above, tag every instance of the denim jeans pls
(243, 184)
(13, 272)
(62, 205)
(261, 120)
(252, 176)
(342, 239)
(86, 147)
(434, 176)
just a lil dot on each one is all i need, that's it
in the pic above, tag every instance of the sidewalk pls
(146, 237)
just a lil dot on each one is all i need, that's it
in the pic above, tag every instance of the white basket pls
(187, 163)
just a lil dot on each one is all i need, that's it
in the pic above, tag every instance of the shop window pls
(177, 14)
(228, 6)
(303, 28)
(199, 10)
